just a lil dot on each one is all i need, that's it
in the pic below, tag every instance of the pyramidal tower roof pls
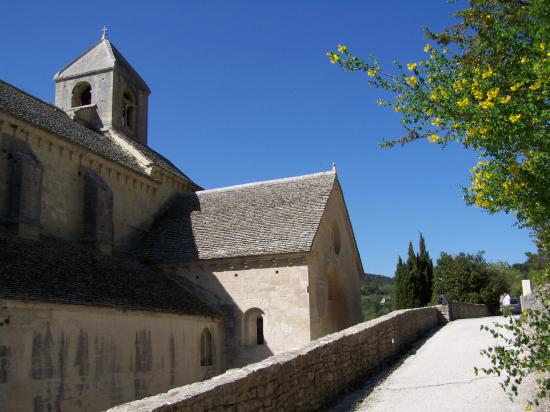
(102, 56)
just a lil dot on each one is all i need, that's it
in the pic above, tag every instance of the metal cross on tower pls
(104, 33)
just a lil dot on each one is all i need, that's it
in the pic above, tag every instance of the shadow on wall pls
(335, 295)
(172, 240)
(307, 379)
(67, 358)
(246, 334)
(338, 313)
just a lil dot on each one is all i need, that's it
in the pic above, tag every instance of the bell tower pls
(103, 91)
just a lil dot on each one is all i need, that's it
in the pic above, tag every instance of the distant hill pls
(376, 295)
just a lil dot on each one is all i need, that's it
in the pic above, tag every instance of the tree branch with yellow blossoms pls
(484, 83)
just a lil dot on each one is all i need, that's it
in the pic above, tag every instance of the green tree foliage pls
(468, 278)
(527, 335)
(425, 268)
(536, 267)
(376, 295)
(413, 279)
(511, 275)
(484, 84)
(401, 296)
(413, 290)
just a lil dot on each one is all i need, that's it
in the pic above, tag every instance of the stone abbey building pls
(120, 277)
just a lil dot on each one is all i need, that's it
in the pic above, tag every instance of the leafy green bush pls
(484, 83)
(511, 275)
(467, 278)
(525, 349)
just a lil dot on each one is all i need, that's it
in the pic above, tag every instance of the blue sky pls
(242, 91)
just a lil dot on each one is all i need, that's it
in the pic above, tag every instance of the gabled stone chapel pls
(120, 277)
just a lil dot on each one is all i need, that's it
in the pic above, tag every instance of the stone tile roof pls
(57, 271)
(102, 56)
(272, 217)
(51, 118)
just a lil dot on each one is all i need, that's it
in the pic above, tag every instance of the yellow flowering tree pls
(484, 83)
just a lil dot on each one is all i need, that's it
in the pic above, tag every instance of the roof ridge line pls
(122, 61)
(46, 116)
(268, 182)
(109, 47)
(132, 151)
(139, 147)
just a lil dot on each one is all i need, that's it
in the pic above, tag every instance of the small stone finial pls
(334, 167)
(104, 33)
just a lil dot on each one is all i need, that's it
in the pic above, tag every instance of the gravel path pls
(439, 376)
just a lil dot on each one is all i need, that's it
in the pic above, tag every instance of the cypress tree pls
(425, 266)
(414, 279)
(397, 289)
(401, 281)
(415, 287)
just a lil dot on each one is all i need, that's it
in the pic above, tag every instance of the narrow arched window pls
(206, 348)
(253, 327)
(82, 95)
(260, 331)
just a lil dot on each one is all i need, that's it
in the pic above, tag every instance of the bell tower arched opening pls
(128, 110)
(82, 95)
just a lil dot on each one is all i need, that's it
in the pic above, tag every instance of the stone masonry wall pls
(63, 185)
(531, 301)
(461, 310)
(84, 358)
(335, 272)
(304, 379)
(277, 287)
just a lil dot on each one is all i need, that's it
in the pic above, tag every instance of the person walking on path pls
(505, 305)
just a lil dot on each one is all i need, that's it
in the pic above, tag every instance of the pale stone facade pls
(72, 357)
(307, 379)
(335, 272)
(276, 286)
(263, 267)
(301, 296)
(63, 189)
